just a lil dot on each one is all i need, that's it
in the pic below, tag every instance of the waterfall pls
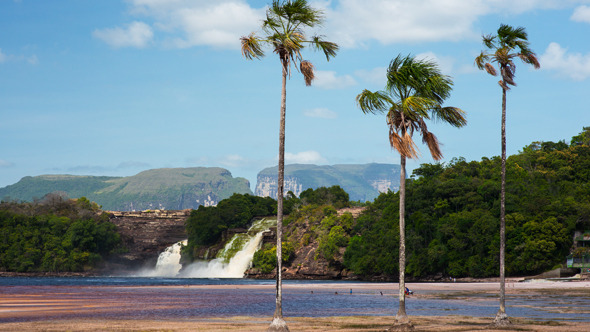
(168, 264)
(231, 262)
(236, 256)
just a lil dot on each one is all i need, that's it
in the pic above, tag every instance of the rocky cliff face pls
(266, 186)
(145, 235)
(361, 182)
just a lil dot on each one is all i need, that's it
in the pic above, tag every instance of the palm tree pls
(284, 30)
(415, 92)
(508, 44)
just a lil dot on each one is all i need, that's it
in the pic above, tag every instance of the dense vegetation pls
(54, 235)
(314, 220)
(453, 215)
(206, 225)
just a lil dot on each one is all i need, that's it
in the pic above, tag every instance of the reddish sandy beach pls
(51, 311)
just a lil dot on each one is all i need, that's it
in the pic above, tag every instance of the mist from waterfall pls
(231, 262)
(168, 264)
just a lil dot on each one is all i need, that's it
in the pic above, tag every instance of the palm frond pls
(298, 12)
(451, 115)
(431, 141)
(306, 69)
(488, 41)
(490, 69)
(251, 47)
(530, 58)
(418, 106)
(327, 47)
(373, 102)
(508, 75)
(402, 142)
(503, 85)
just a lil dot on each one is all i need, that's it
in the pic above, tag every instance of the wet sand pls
(36, 309)
(356, 323)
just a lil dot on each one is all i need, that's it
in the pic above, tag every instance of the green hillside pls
(166, 188)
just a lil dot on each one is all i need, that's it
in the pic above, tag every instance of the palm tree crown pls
(414, 92)
(508, 44)
(284, 31)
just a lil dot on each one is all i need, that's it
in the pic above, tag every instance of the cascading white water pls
(236, 256)
(231, 262)
(168, 264)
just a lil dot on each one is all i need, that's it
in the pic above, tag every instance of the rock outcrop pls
(307, 264)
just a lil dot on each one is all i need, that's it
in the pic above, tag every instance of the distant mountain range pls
(362, 182)
(164, 188)
(189, 188)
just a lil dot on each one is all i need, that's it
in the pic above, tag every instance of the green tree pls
(415, 92)
(335, 196)
(284, 30)
(507, 44)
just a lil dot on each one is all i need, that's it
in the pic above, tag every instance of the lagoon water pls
(193, 298)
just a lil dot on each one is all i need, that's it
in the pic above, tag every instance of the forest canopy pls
(453, 212)
(54, 234)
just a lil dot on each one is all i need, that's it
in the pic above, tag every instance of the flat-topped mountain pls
(362, 182)
(165, 188)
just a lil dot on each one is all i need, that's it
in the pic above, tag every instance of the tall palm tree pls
(415, 92)
(284, 30)
(508, 44)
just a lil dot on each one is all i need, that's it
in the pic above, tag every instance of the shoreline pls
(328, 324)
(80, 308)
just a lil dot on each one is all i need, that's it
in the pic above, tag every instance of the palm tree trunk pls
(278, 324)
(401, 316)
(501, 317)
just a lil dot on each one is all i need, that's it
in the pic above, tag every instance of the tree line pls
(55, 234)
(452, 215)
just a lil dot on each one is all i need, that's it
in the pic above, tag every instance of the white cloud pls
(233, 160)
(352, 23)
(189, 23)
(573, 65)
(374, 76)
(16, 58)
(323, 113)
(389, 21)
(135, 34)
(5, 164)
(132, 164)
(581, 14)
(33, 60)
(330, 80)
(305, 157)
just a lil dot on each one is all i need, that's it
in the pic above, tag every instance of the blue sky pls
(117, 87)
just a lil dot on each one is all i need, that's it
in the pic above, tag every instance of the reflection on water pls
(169, 298)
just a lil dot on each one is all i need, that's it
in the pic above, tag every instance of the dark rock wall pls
(145, 235)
